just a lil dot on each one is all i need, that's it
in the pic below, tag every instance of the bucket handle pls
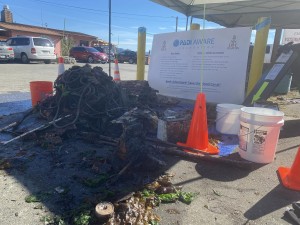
(225, 114)
(249, 132)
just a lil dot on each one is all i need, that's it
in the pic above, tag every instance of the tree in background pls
(66, 44)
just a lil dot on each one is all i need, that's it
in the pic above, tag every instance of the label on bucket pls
(244, 137)
(258, 141)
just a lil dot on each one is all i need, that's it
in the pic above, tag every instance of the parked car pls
(111, 55)
(88, 54)
(127, 56)
(6, 52)
(28, 49)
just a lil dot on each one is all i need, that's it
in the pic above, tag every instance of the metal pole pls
(176, 23)
(140, 75)
(257, 62)
(191, 20)
(187, 21)
(109, 38)
(276, 44)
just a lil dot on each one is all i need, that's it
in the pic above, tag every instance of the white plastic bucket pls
(259, 132)
(228, 118)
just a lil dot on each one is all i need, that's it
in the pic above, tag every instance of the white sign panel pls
(291, 35)
(179, 60)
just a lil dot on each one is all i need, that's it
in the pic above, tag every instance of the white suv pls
(32, 48)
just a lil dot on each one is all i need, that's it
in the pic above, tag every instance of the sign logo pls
(233, 43)
(176, 43)
(191, 42)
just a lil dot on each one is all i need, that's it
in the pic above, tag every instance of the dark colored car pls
(127, 56)
(111, 55)
(88, 54)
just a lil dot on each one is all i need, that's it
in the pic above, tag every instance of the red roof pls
(41, 30)
(28, 28)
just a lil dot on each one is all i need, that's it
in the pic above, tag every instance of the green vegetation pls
(66, 44)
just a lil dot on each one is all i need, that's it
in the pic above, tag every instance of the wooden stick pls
(35, 129)
(106, 143)
(113, 178)
(236, 163)
(155, 140)
(8, 126)
(101, 137)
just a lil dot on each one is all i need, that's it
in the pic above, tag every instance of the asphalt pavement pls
(15, 78)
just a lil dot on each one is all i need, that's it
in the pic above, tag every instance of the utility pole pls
(109, 37)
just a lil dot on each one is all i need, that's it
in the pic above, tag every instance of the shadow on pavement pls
(224, 173)
(277, 198)
(290, 129)
(8, 108)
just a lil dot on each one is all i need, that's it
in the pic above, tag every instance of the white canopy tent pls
(284, 14)
(230, 13)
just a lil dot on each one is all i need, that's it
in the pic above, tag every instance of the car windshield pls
(92, 50)
(3, 43)
(42, 42)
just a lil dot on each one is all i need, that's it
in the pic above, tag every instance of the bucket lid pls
(262, 111)
(224, 107)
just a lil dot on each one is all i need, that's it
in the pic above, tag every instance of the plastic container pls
(284, 85)
(228, 118)
(259, 132)
(40, 90)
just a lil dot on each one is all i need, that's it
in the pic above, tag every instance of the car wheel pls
(131, 61)
(47, 61)
(24, 58)
(90, 59)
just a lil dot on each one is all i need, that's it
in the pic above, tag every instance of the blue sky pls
(91, 17)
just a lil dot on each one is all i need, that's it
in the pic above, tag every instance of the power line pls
(103, 11)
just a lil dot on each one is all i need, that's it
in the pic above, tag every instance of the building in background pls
(10, 29)
(6, 15)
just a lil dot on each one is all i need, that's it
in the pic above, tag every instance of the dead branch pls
(160, 142)
(243, 164)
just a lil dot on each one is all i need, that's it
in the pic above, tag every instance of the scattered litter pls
(172, 211)
(60, 190)
(4, 164)
(217, 192)
(37, 197)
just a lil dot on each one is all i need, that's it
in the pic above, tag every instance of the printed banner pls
(291, 35)
(219, 56)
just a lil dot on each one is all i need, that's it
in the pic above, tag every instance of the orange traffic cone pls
(116, 72)
(198, 133)
(61, 65)
(290, 177)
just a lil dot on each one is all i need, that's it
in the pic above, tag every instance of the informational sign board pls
(291, 35)
(217, 58)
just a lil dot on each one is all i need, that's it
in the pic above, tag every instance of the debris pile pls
(88, 106)
(88, 94)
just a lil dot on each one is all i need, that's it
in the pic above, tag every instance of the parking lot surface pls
(15, 77)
